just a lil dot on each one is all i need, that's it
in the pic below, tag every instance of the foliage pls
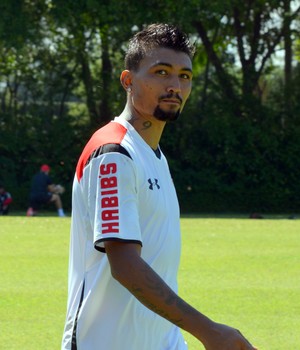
(237, 144)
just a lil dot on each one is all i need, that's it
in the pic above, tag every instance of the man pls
(125, 236)
(5, 200)
(44, 191)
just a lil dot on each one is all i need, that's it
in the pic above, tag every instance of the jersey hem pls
(102, 250)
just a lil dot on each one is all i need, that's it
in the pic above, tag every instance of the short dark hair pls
(154, 36)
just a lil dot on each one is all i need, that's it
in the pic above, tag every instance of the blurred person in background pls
(44, 191)
(5, 200)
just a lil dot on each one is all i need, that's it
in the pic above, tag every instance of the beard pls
(169, 116)
(164, 116)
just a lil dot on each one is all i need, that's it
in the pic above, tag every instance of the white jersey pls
(122, 191)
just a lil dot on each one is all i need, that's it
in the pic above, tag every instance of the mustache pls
(170, 96)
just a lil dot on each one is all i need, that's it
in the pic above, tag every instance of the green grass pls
(33, 275)
(245, 273)
(242, 272)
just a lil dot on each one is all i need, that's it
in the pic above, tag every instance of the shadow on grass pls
(252, 216)
(42, 213)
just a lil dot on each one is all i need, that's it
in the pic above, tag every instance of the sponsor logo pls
(109, 198)
(153, 184)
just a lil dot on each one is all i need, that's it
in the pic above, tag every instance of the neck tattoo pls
(147, 125)
(134, 122)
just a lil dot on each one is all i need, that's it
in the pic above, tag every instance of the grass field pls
(238, 271)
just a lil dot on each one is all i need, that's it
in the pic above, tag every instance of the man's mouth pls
(171, 99)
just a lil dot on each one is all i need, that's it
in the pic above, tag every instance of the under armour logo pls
(153, 183)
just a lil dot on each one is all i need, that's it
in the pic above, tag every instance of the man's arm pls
(128, 268)
(51, 188)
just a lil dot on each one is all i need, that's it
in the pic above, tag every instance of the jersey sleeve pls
(114, 190)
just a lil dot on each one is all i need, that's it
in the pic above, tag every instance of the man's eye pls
(186, 76)
(161, 72)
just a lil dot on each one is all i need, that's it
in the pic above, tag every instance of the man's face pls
(162, 84)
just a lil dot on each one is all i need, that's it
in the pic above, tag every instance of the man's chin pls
(164, 116)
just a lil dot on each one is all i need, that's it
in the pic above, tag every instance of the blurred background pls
(236, 147)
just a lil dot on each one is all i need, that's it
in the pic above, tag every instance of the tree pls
(251, 30)
(59, 80)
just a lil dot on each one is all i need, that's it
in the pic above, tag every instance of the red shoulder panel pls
(110, 133)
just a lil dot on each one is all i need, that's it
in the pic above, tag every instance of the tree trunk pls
(89, 89)
(287, 57)
(106, 74)
(223, 77)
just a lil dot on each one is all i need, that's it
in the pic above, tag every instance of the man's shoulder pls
(104, 140)
(41, 175)
(112, 132)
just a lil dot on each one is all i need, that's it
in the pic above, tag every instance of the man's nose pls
(174, 85)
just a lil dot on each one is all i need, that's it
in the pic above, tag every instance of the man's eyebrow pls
(170, 65)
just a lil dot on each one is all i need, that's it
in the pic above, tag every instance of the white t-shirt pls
(121, 191)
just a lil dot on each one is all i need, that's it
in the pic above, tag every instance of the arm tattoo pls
(169, 298)
(139, 294)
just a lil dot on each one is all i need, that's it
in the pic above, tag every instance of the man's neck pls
(149, 128)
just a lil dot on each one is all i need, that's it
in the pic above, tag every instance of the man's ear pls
(126, 80)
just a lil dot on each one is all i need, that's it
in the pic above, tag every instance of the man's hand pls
(222, 337)
(57, 189)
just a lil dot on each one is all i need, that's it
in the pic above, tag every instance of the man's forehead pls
(168, 57)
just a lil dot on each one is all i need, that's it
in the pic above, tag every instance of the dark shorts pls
(39, 199)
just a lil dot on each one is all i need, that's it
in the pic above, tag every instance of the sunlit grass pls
(242, 272)
(33, 270)
(245, 273)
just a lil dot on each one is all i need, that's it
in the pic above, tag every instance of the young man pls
(44, 191)
(125, 236)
